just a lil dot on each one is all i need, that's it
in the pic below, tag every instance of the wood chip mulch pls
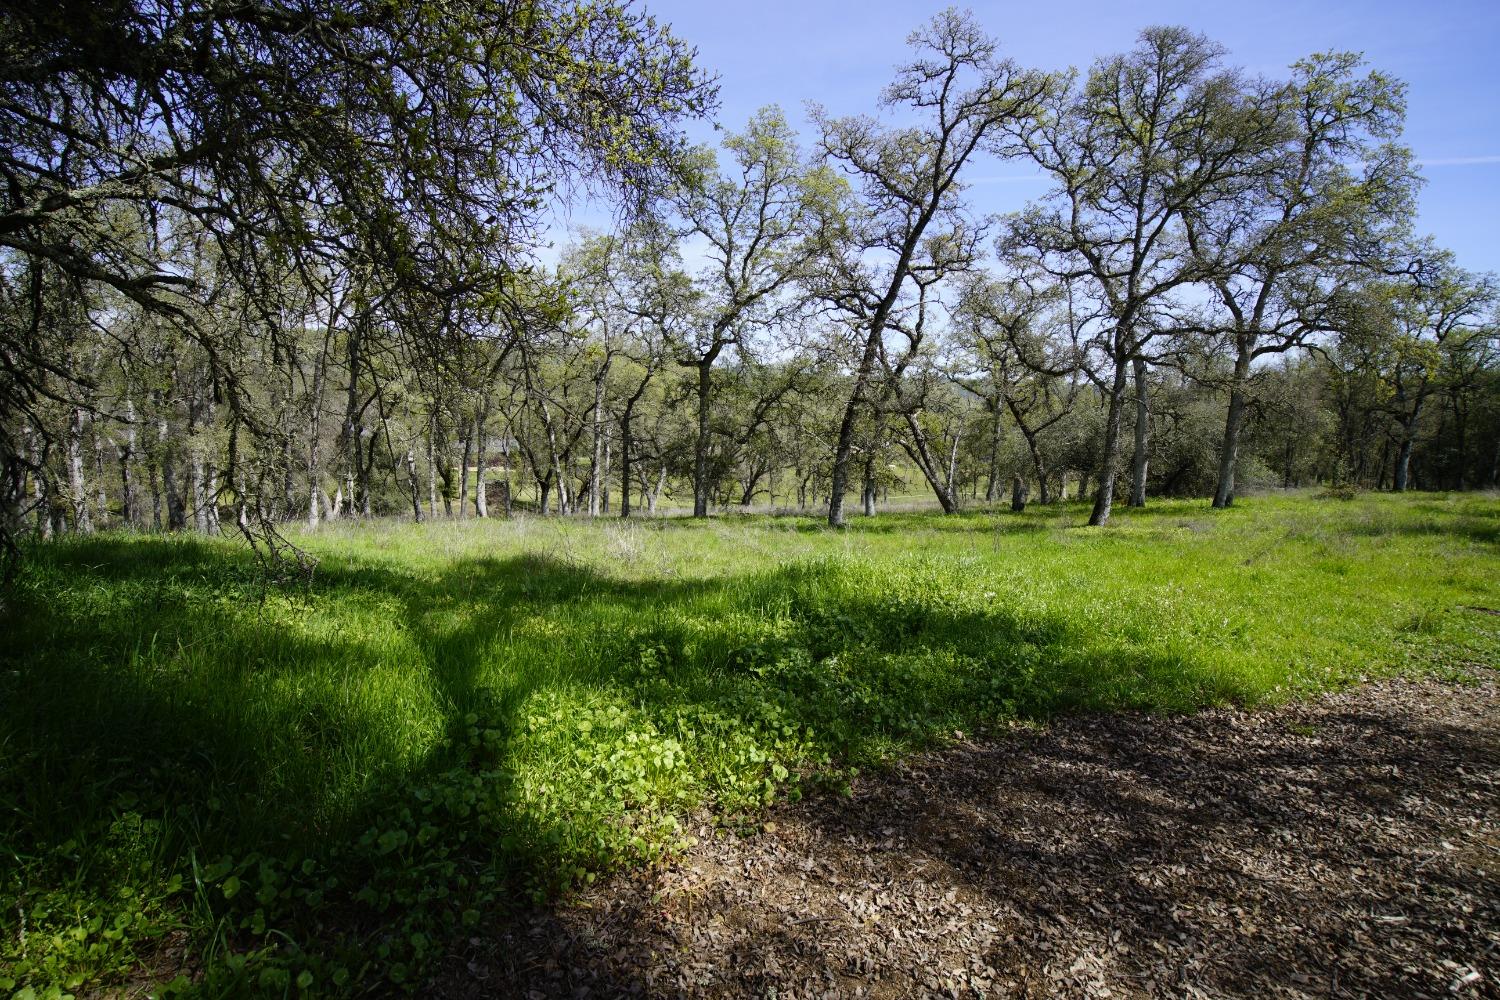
(1346, 847)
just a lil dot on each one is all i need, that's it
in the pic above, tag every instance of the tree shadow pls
(1124, 826)
(157, 675)
(1303, 853)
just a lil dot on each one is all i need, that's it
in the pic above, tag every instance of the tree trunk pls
(844, 450)
(40, 494)
(176, 515)
(655, 494)
(505, 482)
(463, 474)
(212, 481)
(154, 485)
(1229, 451)
(77, 488)
(951, 480)
(997, 431)
(922, 455)
(314, 470)
(1461, 441)
(1038, 466)
(288, 485)
(1403, 462)
(596, 466)
(543, 493)
(869, 486)
(752, 484)
(1142, 457)
(481, 502)
(353, 467)
(129, 489)
(432, 464)
(200, 493)
(1109, 460)
(626, 445)
(1019, 494)
(411, 480)
(101, 477)
(700, 445)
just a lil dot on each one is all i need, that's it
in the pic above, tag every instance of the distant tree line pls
(263, 263)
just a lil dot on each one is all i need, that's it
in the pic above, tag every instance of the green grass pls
(314, 790)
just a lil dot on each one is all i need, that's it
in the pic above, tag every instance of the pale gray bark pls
(77, 486)
(481, 502)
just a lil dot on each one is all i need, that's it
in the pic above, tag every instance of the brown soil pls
(1346, 847)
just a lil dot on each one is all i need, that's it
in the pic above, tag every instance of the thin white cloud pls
(1459, 161)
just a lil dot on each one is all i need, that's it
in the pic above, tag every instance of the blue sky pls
(841, 54)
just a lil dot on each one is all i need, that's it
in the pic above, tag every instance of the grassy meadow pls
(217, 787)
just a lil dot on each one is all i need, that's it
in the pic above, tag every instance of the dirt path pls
(1348, 847)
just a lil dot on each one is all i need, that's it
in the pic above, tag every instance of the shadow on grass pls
(152, 675)
(1468, 522)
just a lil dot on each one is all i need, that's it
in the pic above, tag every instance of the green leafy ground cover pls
(217, 788)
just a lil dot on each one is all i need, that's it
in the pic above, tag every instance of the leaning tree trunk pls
(922, 454)
(1141, 459)
(844, 450)
(1233, 421)
(951, 480)
(1109, 459)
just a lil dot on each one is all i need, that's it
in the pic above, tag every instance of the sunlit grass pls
(491, 708)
